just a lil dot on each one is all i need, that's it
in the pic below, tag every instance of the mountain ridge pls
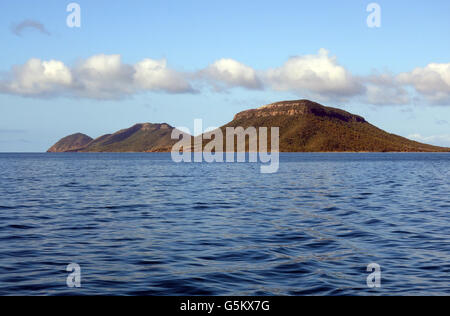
(305, 126)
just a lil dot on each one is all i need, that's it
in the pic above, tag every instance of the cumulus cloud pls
(229, 73)
(437, 140)
(317, 75)
(321, 77)
(432, 81)
(384, 89)
(37, 77)
(154, 75)
(103, 77)
(98, 77)
(19, 28)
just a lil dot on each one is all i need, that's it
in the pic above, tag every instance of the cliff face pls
(305, 126)
(298, 108)
(71, 143)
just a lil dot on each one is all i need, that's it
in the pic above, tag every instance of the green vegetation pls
(305, 126)
(139, 138)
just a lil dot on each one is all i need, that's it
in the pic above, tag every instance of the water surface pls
(141, 224)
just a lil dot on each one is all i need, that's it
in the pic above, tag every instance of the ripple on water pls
(139, 224)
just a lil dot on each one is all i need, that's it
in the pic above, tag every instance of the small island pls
(305, 126)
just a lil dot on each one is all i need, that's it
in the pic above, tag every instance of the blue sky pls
(216, 58)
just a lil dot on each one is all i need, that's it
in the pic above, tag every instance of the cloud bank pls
(318, 76)
(98, 77)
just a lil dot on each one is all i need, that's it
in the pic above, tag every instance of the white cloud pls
(318, 75)
(103, 77)
(154, 75)
(432, 81)
(98, 77)
(230, 73)
(321, 77)
(437, 140)
(384, 89)
(37, 77)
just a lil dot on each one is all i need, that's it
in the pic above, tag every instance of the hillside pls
(138, 138)
(70, 143)
(305, 126)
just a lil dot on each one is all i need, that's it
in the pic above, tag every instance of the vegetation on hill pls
(71, 143)
(305, 126)
(138, 138)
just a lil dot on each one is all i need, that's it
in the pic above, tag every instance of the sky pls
(175, 61)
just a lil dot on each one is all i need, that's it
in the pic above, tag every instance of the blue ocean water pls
(141, 224)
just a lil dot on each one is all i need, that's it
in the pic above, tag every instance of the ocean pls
(140, 224)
